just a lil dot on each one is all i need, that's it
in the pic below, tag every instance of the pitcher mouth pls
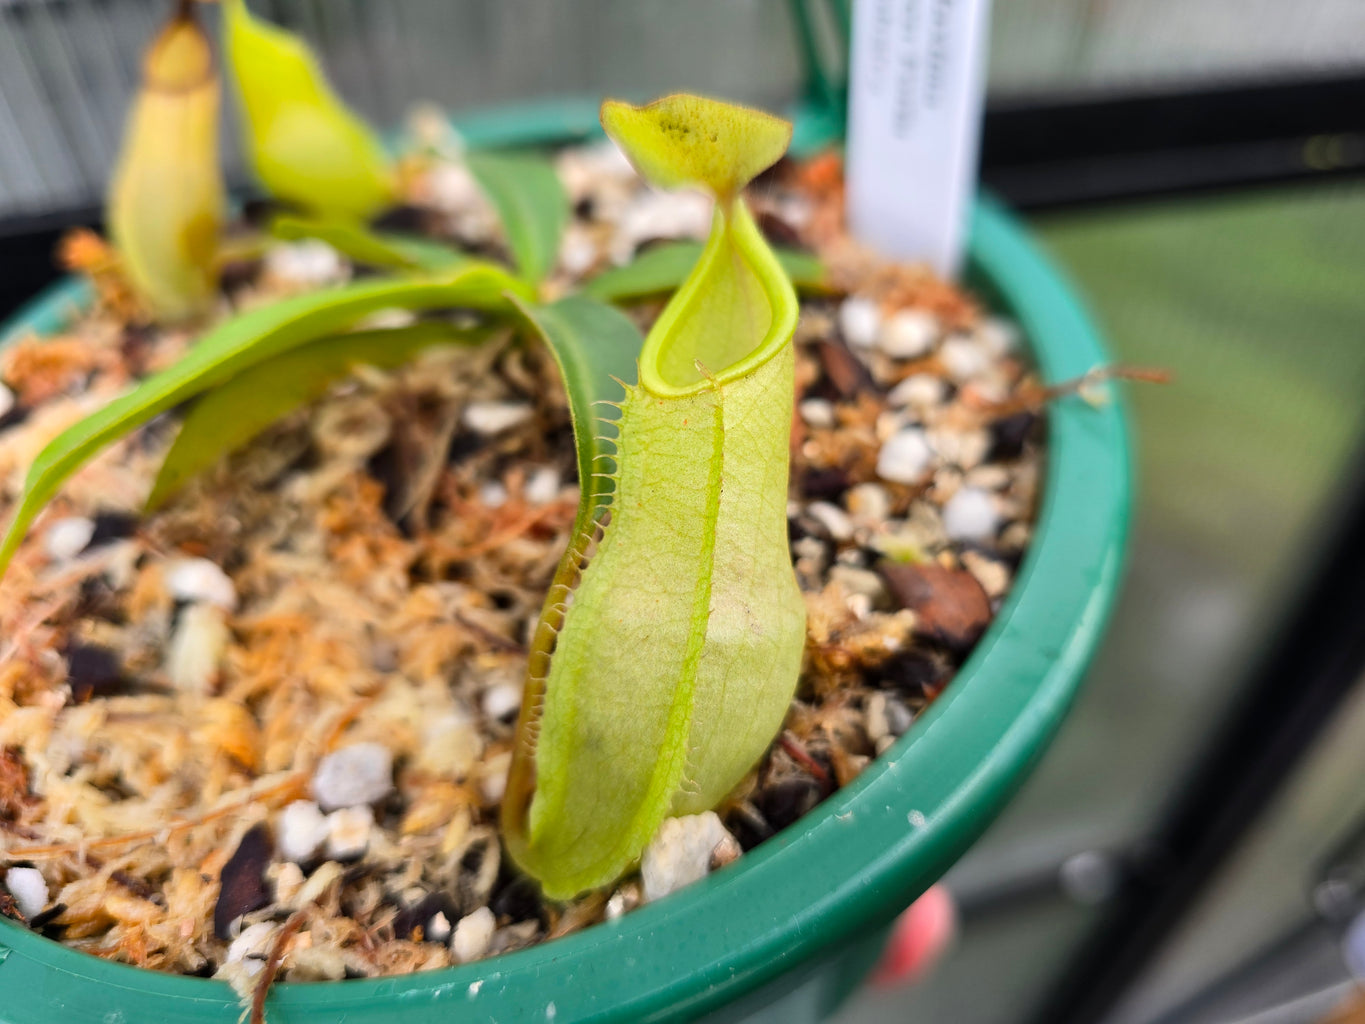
(676, 368)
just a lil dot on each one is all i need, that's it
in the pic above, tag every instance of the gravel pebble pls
(310, 263)
(287, 878)
(354, 775)
(859, 581)
(860, 321)
(493, 777)
(198, 579)
(254, 942)
(438, 929)
(577, 253)
(622, 901)
(989, 478)
(832, 518)
(905, 457)
(493, 495)
(67, 538)
(918, 391)
(874, 718)
(817, 413)
(908, 333)
(963, 358)
(196, 648)
(680, 853)
(348, 832)
(992, 575)
(962, 448)
(971, 515)
(301, 830)
(489, 418)
(869, 502)
(997, 335)
(29, 890)
(502, 701)
(656, 214)
(543, 486)
(472, 934)
(451, 745)
(899, 718)
(453, 188)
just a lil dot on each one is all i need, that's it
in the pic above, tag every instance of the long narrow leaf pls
(228, 417)
(372, 248)
(236, 345)
(596, 347)
(664, 267)
(531, 203)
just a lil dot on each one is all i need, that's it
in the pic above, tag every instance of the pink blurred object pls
(918, 939)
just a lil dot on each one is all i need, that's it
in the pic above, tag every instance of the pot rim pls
(844, 869)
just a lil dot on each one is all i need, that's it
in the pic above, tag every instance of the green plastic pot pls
(789, 929)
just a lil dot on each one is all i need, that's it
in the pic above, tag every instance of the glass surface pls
(1254, 302)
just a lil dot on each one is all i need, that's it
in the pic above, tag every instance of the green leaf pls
(531, 203)
(664, 267)
(372, 248)
(596, 348)
(228, 417)
(236, 345)
(303, 142)
(675, 661)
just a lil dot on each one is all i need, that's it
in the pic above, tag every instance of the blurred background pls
(1192, 850)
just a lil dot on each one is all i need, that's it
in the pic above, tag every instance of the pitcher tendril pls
(660, 679)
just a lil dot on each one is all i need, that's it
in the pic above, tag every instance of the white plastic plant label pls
(916, 87)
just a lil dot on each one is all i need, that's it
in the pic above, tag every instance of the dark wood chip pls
(1010, 435)
(136, 886)
(405, 219)
(911, 673)
(776, 174)
(258, 211)
(14, 415)
(9, 908)
(244, 887)
(949, 604)
(112, 526)
(14, 792)
(823, 484)
(848, 376)
(785, 802)
(779, 232)
(748, 826)
(516, 897)
(409, 466)
(410, 919)
(464, 444)
(93, 671)
(136, 346)
(239, 274)
(40, 922)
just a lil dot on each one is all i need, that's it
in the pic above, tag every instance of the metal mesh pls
(67, 67)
